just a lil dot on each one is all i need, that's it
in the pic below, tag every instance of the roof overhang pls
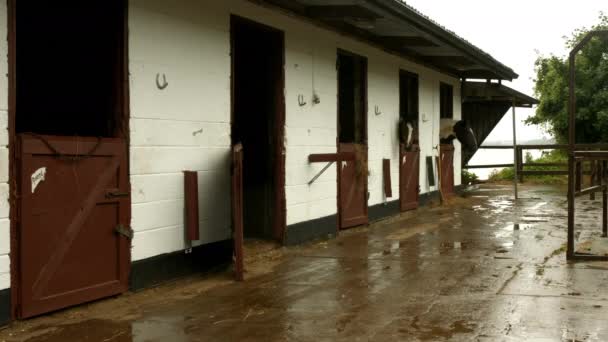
(478, 92)
(400, 29)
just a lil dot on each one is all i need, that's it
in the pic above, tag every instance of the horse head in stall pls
(457, 129)
(408, 133)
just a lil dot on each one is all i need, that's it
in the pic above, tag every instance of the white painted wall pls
(183, 127)
(187, 125)
(188, 40)
(4, 193)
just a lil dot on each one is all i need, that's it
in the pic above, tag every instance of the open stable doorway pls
(258, 124)
(70, 67)
(409, 151)
(352, 137)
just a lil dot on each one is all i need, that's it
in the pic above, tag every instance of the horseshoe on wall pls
(162, 85)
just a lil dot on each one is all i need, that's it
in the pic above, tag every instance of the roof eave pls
(407, 13)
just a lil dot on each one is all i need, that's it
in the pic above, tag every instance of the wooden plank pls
(590, 190)
(191, 205)
(331, 157)
(386, 170)
(590, 155)
(545, 164)
(237, 211)
(489, 166)
(544, 172)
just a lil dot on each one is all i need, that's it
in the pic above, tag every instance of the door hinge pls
(124, 231)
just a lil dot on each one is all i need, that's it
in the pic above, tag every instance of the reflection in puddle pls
(538, 205)
(447, 246)
(534, 219)
(508, 244)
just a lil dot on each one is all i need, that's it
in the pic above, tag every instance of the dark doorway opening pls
(69, 67)
(409, 151)
(446, 101)
(257, 123)
(352, 137)
(352, 98)
(408, 96)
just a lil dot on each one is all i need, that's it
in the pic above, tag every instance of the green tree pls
(551, 88)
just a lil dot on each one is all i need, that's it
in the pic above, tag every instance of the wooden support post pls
(593, 179)
(602, 180)
(572, 174)
(579, 176)
(520, 155)
(515, 177)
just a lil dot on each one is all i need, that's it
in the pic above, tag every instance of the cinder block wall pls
(189, 41)
(187, 125)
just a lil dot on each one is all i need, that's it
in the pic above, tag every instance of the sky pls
(515, 32)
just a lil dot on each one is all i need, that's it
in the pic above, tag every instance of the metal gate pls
(446, 162)
(353, 187)
(74, 217)
(409, 171)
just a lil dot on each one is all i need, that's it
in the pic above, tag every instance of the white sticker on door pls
(37, 177)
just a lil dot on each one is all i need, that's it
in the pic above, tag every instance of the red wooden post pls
(191, 204)
(386, 170)
(237, 210)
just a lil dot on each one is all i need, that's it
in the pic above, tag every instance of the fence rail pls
(521, 164)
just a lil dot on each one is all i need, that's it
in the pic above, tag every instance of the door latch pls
(124, 231)
(114, 193)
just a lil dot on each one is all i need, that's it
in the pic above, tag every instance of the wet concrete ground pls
(484, 268)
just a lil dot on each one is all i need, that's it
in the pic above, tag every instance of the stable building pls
(119, 121)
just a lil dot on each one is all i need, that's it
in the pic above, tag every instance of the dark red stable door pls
(74, 217)
(447, 169)
(409, 171)
(353, 188)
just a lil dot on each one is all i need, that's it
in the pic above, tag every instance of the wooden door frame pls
(365, 123)
(279, 211)
(14, 185)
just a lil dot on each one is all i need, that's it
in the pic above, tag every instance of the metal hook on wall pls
(301, 101)
(377, 110)
(162, 85)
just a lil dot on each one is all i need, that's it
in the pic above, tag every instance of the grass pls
(555, 156)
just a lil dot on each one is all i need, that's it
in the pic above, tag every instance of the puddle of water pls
(538, 205)
(511, 228)
(534, 219)
(447, 246)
